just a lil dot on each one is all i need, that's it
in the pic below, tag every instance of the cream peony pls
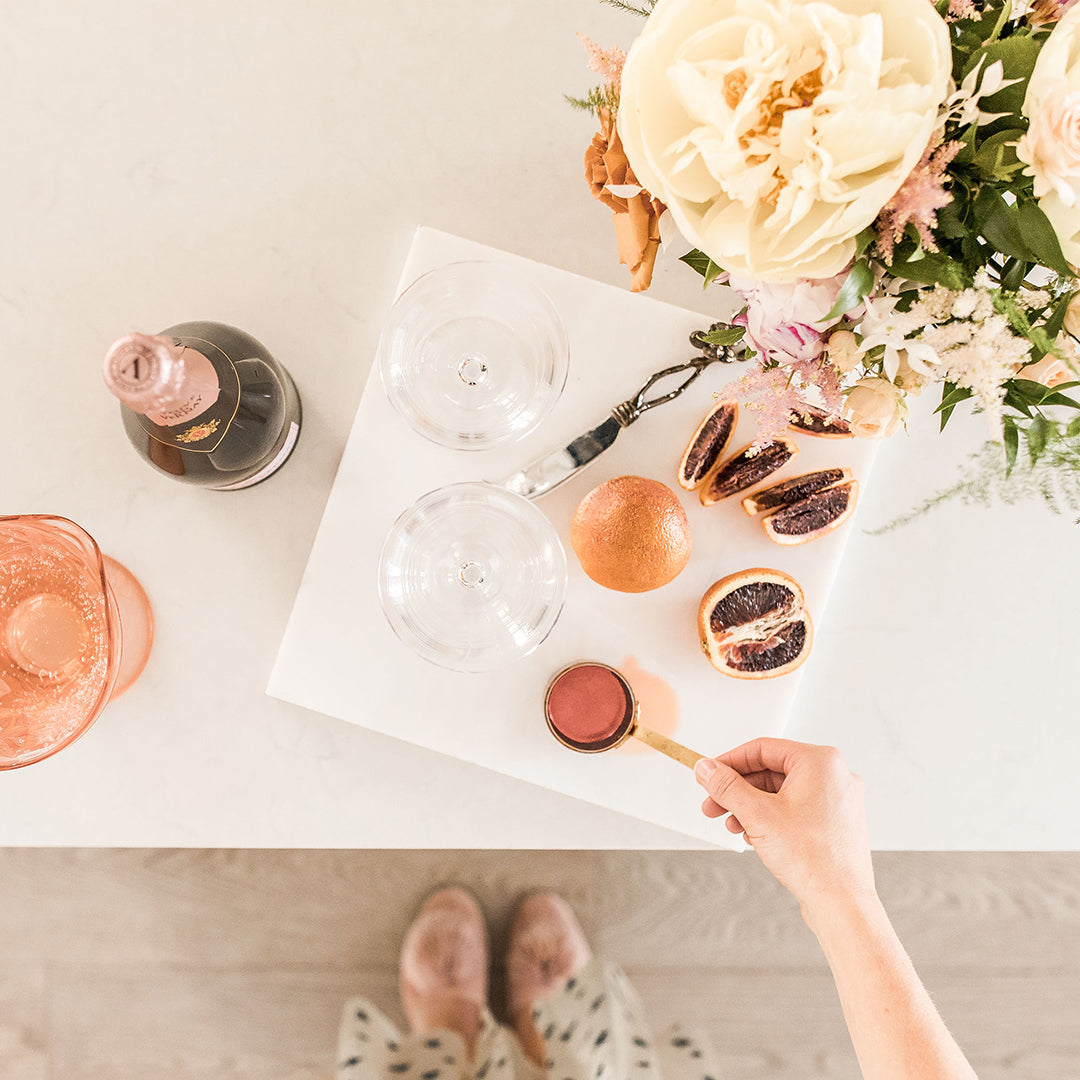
(776, 130)
(875, 408)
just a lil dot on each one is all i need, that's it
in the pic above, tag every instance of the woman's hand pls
(801, 809)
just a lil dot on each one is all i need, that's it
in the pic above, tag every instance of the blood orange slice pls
(791, 491)
(813, 516)
(708, 444)
(745, 469)
(754, 624)
(810, 420)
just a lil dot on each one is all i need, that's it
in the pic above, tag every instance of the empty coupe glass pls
(472, 577)
(63, 654)
(473, 355)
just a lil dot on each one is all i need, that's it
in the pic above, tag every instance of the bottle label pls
(201, 419)
(271, 466)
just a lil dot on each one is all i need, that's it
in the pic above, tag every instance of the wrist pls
(837, 909)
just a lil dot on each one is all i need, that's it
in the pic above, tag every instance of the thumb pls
(728, 789)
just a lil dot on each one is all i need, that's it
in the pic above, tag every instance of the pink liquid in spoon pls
(589, 706)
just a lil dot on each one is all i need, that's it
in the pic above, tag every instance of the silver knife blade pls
(547, 472)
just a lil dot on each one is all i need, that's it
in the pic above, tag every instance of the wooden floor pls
(192, 965)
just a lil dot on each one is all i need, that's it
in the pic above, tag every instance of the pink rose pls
(1050, 371)
(785, 321)
(1051, 147)
(875, 408)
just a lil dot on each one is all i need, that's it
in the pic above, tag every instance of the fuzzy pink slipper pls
(444, 966)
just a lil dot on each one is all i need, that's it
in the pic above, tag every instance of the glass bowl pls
(473, 355)
(472, 577)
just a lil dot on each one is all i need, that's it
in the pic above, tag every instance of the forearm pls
(895, 1028)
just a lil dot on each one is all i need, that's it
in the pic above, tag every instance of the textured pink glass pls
(60, 637)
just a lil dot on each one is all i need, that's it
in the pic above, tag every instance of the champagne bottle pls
(205, 403)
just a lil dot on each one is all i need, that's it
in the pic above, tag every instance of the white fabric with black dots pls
(593, 1029)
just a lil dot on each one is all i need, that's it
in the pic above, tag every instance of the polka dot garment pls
(593, 1029)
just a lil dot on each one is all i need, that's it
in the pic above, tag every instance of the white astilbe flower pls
(980, 354)
(938, 305)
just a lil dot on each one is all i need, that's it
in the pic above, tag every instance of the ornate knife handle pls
(630, 410)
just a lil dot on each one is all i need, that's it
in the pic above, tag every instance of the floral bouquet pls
(892, 188)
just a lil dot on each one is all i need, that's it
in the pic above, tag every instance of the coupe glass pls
(63, 655)
(472, 577)
(473, 355)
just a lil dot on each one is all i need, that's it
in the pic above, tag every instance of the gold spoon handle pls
(675, 751)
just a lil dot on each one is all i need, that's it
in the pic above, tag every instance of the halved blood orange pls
(754, 624)
(746, 468)
(792, 490)
(708, 444)
(810, 420)
(813, 516)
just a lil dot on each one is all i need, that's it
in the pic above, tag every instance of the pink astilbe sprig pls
(917, 202)
(825, 378)
(962, 9)
(771, 394)
(775, 392)
(606, 62)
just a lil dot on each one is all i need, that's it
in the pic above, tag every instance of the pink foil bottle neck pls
(146, 372)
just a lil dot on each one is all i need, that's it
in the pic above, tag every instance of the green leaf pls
(951, 219)
(966, 154)
(1012, 444)
(1000, 223)
(1016, 401)
(1003, 16)
(1054, 325)
(1041, 239)
(863, 241)
(951, 396)
(1037, 394)
(933, 268)
(1038, 433)
(996, 157)
(726, 335)
(1073, 429)
(1054, 398)
(1015, 272)
(1034, 393)
(699, 261)
(853, 292)
(1018, 54)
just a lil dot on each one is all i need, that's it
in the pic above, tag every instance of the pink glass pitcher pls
(75, 632)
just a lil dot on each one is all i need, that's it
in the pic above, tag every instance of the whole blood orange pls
(631, 534)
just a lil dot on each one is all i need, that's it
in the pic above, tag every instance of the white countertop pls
(265, 165)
